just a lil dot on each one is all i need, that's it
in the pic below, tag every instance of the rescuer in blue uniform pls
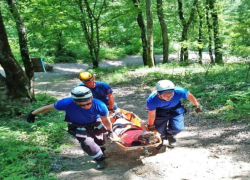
(165, 111)
(100, 90)
(87, 119)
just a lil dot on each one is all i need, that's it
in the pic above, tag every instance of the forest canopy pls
(55, 28)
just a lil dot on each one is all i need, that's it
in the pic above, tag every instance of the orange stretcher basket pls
(130, 116)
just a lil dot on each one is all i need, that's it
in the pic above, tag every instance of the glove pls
(111, 110)
(198, 108)
(30, 117)
(109, 134)
(151, 128)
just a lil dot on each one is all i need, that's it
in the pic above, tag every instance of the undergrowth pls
(27, 150)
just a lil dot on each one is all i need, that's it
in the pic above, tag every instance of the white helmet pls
(163, 86)
(81, 93)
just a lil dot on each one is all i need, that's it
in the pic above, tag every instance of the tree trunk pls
(89, 22)
(16, 81)
(97, 45)
(217, 40)
(3, 93)
(23, 43)
(149, 33)
(209, 29)
(184, 48)
(59, 50)
(164, 31)
(200, 37)
(185, 25)
(141, 24)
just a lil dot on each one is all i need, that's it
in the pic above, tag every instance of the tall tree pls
(239, 39)
(185, 25)
(217, 40)
(90, 16)
(150, 33)
(53, 28)
(23, 44)
(16, 81)
(200, 37)
(141, 24)
(209, 32)
(164, 31)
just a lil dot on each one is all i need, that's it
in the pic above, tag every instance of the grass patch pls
(27, 150)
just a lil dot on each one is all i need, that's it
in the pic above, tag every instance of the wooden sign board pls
(38, 64)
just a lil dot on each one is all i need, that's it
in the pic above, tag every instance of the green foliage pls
(27, 150)
(64, 59)
(158, 50)
(134, 47)
(44, 98)
(111, 53)
(55, 33)
(236, 28)
(12, 110)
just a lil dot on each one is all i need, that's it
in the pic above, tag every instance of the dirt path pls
(208, 149)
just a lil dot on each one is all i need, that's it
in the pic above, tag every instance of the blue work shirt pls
(76, 114)
(100, 91)
(153, 101)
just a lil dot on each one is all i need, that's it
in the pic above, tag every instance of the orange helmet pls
(86, 76)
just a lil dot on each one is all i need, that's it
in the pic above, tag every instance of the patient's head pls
(149, 137)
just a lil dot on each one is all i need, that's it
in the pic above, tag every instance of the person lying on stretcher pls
(130, 134)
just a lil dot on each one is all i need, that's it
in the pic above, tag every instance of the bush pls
(112, 53)
(132, 49)
(27, 150)
(64, 59)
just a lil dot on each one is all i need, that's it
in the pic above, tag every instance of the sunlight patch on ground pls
(179, 159)
(66, 173)
(56, 94)
(69, 69)
(43, 83)
(78, 174)
(72, 152)
(105, 63)
(168, 71)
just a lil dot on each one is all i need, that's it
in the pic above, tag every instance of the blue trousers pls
(169, 122)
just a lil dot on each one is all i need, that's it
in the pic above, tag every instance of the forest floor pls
(207, 148)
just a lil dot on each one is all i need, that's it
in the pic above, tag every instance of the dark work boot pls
(161, 145)
(103, 151)
(104, 155)
(172, 141)
(100, 164)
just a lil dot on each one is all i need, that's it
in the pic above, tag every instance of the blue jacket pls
(75, 113)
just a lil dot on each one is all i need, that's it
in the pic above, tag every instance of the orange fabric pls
(130, 117)
(112, 119)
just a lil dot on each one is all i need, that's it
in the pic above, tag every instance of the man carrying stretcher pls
(165, 111)
(87, 120)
